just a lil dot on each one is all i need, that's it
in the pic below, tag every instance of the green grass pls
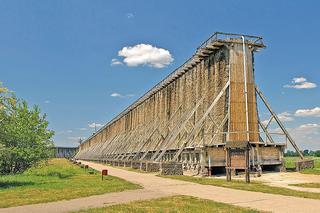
(57, 180)
(183, 204)
(307, 185)
(290, 164)
(253, 186)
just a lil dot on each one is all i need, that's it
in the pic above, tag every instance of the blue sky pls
(58, 55)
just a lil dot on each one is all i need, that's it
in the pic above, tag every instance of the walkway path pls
(159, 187)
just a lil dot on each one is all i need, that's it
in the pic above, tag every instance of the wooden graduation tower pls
(189, 121)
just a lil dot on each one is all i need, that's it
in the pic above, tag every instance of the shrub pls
(24, 137)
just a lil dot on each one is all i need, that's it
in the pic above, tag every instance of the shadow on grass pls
(12, 184)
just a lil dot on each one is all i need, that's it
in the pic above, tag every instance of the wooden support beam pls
(279, 122)
(200, 122)
(265, 130)
(157, 130)
(140, 139)
(177, 129)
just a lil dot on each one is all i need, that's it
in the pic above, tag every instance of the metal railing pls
(219, 36)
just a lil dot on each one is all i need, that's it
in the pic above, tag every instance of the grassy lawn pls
(290, 163)
(253, 186)
(307, 185)
(58, 180)
(183, 204)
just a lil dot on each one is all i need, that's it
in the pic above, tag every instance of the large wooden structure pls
(189, 116)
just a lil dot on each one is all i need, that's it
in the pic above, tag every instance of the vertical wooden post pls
(228, 161)
(247, 165)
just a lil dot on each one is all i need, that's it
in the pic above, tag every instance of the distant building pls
(65, 152)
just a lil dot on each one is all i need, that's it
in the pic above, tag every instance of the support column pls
(203, 169)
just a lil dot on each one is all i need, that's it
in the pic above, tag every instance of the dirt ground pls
(284, 179)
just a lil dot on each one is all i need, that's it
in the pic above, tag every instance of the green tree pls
(24, 134)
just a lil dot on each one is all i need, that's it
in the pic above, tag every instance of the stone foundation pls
(121, 163)
(143, 166)
(153, 167)
(127, 164)
(135, 164)
(171, 168)
(114, 163)
(304, 164)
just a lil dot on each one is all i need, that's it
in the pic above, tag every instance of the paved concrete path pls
(155, 187)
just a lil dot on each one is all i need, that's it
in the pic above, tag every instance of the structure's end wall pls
(238, 113)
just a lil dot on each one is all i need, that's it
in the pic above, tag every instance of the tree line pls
(306, 152)
(25, 139)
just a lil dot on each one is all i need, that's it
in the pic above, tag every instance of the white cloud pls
(118, 95)
(95, 125)
(64, 132)
(304, 85)
(309, 126)
(285, 116)
(75, 139)
(83, 129)
(46, 101)
(276, 130)
(59, 133)
(315, 112)
(299, 80)
(300, 83)
(145, 54)
(265, 122)
(307, 135)
(130, 15)
(115, 61)
(115, 94)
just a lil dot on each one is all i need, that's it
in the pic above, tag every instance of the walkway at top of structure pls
(213, 43)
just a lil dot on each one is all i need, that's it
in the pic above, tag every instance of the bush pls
(24, 137)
